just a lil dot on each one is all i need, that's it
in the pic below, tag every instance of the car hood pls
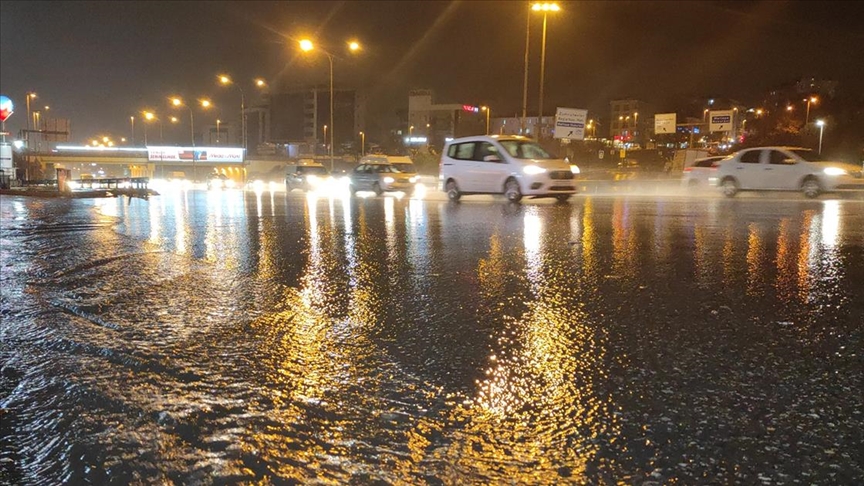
(548, 164)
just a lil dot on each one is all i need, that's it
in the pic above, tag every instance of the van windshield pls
(522, 149)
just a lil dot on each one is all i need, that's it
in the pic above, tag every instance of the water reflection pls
(386, 340)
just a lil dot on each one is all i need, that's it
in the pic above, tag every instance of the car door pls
(747, 169)
(782, 171)
(465, 167)
(490, 165)
(358, 178)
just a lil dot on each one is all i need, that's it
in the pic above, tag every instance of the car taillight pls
(688, 169)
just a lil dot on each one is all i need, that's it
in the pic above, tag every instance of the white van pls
(511, 165)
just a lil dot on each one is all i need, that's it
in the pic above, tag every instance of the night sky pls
(97, 63)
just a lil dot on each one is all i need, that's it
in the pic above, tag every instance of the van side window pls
(465, 151)
(485, 149)
(451, 151)
(751, 157)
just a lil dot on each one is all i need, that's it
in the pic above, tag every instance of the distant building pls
(513, 126)
(434, 123)
(627, 120)
(299, 116)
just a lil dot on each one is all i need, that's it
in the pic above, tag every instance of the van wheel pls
(452, 190)
(562, 197)
(811, 187)
(377, 188)
(512, 191)
(730, 187)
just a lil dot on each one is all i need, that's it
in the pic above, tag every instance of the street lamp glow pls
(306, 45)
(545, 7)
(206, 103)
(224, 79)
(354, 45)
(820, 123)
(174, 119)
(176, 101)
(105, 139)
(149, 116)
(260, 83)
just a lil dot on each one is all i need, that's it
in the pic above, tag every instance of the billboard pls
(721, 121)
(197, 154)
(665, 123)
(570, 123)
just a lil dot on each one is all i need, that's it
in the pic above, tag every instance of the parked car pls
(702, 173)
(380, 178)
(514, 166)
(786, 169)
(305, 176)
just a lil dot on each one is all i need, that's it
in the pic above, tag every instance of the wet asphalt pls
(223, 337)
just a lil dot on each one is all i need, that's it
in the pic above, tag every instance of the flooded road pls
(230, 337)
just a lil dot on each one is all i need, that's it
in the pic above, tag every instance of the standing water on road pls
(225, 337)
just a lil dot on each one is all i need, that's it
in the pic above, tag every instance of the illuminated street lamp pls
(178, 102)
(225, 80)
(218, 122)
(306, 45)
(260, 83)
(809, 100)
(545, 8)
(30, 96)
(821, 125)
(149, 117)
(132, 121)
(488, 111)
(362, 144)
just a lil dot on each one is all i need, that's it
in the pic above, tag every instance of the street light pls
(225, 80)
(260, 83)
(132, 121)
(821, 125)
(545, 8)
(306, 45)
(177, 102)
(809, 100)
(30, 96)
(148, 116)
(362, 144)
(218, 122)
(488, 111)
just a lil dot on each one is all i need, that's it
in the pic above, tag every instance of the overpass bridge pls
(160, 162)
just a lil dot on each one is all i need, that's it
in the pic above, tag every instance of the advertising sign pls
(721, 121)
(665, 123)
(6, 108)
(570, 123)
(197, 154)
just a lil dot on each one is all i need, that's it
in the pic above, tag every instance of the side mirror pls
(491, 158)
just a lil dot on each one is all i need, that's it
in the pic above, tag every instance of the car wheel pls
(562, 197)
(512, 191)
(811, 188)
(452, 190)
(377, 188)
(730, 187)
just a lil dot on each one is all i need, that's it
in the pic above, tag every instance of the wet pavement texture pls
(230, 337)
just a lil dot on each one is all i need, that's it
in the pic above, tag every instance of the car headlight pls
(574, 169)
(834, 171)
(414, 179)
(389, 180)
(533, 169)
(229, 183)
(73, 185)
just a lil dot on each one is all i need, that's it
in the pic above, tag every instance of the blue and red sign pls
(6, 108)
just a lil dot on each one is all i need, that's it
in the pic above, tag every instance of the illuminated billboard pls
(198, 154)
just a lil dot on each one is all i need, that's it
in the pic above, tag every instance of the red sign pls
(472, 109)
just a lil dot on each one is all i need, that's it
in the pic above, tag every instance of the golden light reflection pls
(589, 252)
(755, 257)
(729, 258)
(830, 223)
(805, 256)
(785, 262)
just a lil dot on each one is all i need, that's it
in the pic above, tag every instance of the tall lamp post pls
(809, 100)
(362, 144)
(204, 104)
(148, 117)
(30, 96)
(545, 8)
(821, 125)
(225, 80)
(306, 45)
(132, 121)
(488, 111)
(218, 122)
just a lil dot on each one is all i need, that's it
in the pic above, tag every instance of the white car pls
(785, 169)
(702, 173)
(514, 166)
